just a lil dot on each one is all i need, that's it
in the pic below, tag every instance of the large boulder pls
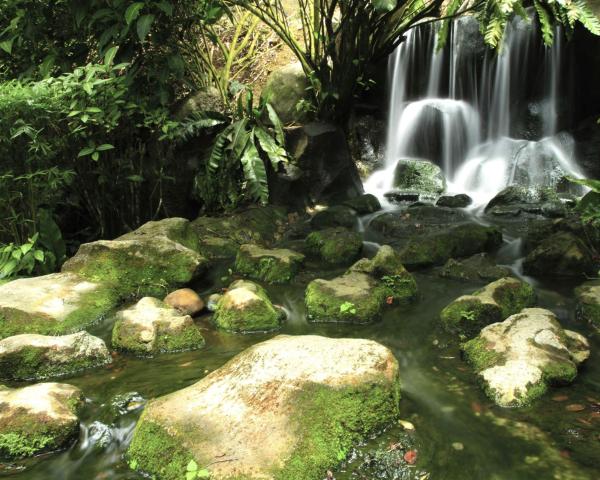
(290, 407)
(286, 88)
(588, 303)
(37, 419)
(53, 304)
(246, 307)
(477, 267)
(335, 245)
(367, 143)
(515, 199)
(147, 261)
(422, 176)
(468, 314)
(269, 265)
(461, 200)
(151, 326)
(34, 357)
(207, 100)
(336, 216)
(560, 255)
(363, 205)
(518, 359)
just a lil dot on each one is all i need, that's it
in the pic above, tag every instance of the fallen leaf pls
(410, 457)
(560, 398)
(575, 407)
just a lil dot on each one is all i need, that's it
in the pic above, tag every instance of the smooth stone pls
(477, 267)
(364, 204)
(186, 301)
(269, 265)
(461, 200)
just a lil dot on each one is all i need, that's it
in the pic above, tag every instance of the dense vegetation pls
(94, 142)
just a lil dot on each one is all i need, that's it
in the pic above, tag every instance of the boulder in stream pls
(588, 303)
(477, 267)
(34, 357)
(37, 419)
(461, 200)
(495, 302)
(335, 245)
(364, 204)
(186, 301)
(518, 359)
(269, 265)
(420, 175)
(290, 407)
(151, 326)
(53, 304)
(246, 307)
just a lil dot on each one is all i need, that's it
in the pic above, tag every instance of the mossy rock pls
(269, 265)
(352, 298)
(455, 242)
(336, 216)
(519, 359)
(296, 404)
(364, 204)
(454, 201)
(38, 419)
(151, 326)
(588, 303)
(335, 245)
(286, 88)
(419, 175)
(179, 230)
(36, 357)
(497, 301)
(245, 308)
(477, 267)
(55, 304)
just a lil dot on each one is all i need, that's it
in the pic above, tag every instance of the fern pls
(195, 124)
(495, 31)
(255, 173)
(276, 153)
(587, 18)
(451, 10)
(545, 23)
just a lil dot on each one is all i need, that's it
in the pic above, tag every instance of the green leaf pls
(192, 466)
(255, 173)
(133, 12)
(383, 6)
(95, 156)
(276, 153)
(39, 255)
(85, 152)
(545, 23)
(274, 118)
(104, 147)
(7, 45)
(166, 7)
(594, 185)
(110, 55)
(143, 26)
(135, 178)
(203, 473)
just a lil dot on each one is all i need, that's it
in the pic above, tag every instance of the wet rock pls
(213, 301)
(36, 419)
(151, 326)
(514, 200)
(286, 87)
(468, 314)
(364, 204)
(186, 301)
(352, 298)
(147, 261)
(367, 142)
(53, 304)
(588, 302)
(336, 216)
(335, 245)
(560, 255)
(297, 405)
(477, 267)
(454, 201)
(403, 196)
(99, 435)
(246, 307)
(125, 403)
(30, 356)
(420, 175)
(386, 267)
(269, 265)
(518, 359)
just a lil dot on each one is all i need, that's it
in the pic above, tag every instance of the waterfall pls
(488, 119)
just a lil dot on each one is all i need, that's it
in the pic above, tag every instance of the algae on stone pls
(588, 303)
(269, 265)
(288, 408)
(497, 301)
(335, 245)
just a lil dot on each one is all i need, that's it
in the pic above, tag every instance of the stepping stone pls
(269, 265)
(335, 245)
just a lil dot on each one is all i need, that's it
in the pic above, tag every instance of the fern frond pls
(255, 172)
(587, 17)
(494, 31)
(276, 153)
(217, 152)
(545, 23)
(451, 9)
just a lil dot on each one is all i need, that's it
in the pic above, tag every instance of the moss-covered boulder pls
(151, 326)
(286, 88)
(269, 265)
(477, 267)
(497, 301)
(54, 304)
(335, 245)
(246, 307)
(288, 408)
(37, 419)
(461, 200)
(364, 204)
(560, 255)
(35, 357)
(336, 216)
(386, 266)
(455, 242)
(419, 175)
(352, 298)
(588, 303)
(148, 261)
(518, 359)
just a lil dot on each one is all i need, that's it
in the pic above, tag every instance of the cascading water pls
(488, 119)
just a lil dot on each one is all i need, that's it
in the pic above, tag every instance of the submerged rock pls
(560, 255)
(454, 201)
(147, 261)
(151, 326)
(421, 175)
(29, 356)
(468, 314)
(290, 407)
(335, 245)
(269, 265)
(246, 307)
(53, 304)
(364, 204)
(186, 301)
(37, 419)
(518, 359)
(477, 267)
(588, 303)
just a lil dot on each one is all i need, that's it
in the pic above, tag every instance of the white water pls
(457, 107)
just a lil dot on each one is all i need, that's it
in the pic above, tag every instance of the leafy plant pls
(193, 471)
(19, 259)
(348, 308)
(589, 206)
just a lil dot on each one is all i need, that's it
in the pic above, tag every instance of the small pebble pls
(575, 407)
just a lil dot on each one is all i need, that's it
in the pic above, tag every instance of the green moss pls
(559, 372)
(402, 288)
(189, 339)
(329, 422)
(335, 245)
(514, 297)
(469, 315)
(480, 355)
(276, 266)
(14, 445)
